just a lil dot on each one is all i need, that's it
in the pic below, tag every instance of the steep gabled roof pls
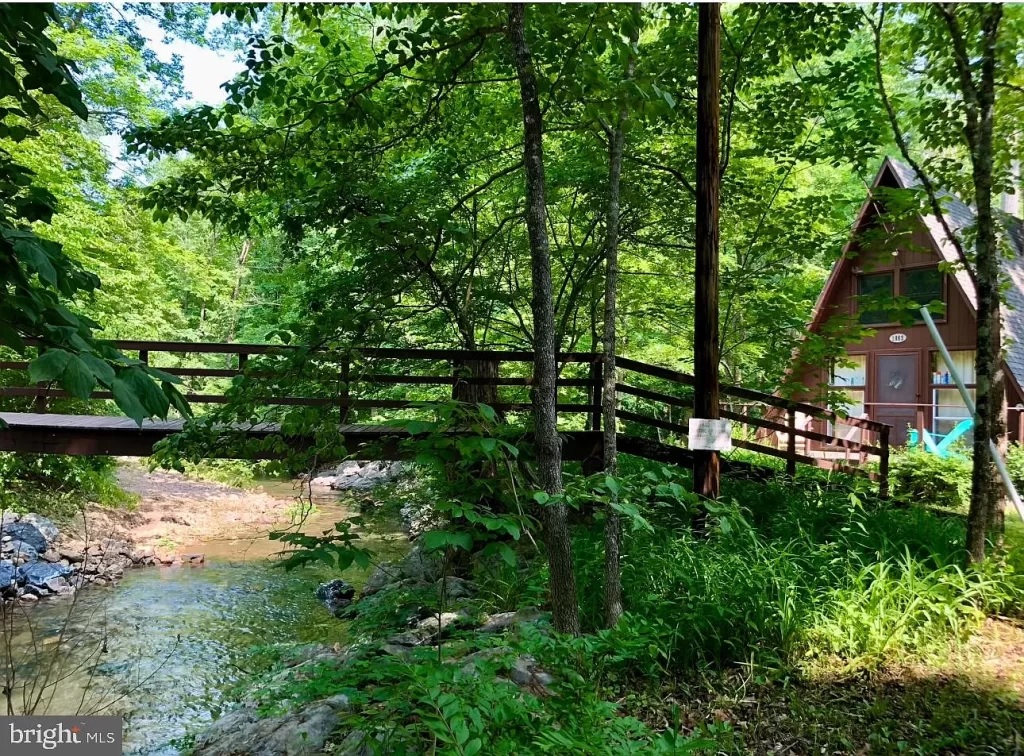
(959, 216)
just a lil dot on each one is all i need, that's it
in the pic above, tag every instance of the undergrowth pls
(798, 591)
(59, 486)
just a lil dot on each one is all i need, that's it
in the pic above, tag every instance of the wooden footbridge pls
(369, 387)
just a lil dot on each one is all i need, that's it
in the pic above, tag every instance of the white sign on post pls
(710, 435)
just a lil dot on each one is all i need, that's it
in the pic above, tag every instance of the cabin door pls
(896, 394)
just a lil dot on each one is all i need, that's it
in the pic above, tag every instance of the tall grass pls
(817, 571)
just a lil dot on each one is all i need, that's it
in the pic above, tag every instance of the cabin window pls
(948, 408)
(922, 285)
(872, 288)
(849, 376)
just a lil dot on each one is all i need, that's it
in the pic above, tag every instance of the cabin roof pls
(960, 216)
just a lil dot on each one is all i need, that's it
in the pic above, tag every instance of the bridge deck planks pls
(87, 435)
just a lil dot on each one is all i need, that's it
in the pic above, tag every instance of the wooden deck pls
(85, 435)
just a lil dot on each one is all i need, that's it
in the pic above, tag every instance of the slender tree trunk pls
(243, 260)
(978, 93)
(705, 335)
(613, 525)
(564, 601)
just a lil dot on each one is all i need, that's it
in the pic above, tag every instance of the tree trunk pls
(613, 525)
(705, 335)
(979, 97)
(243, 260)
(475, 393)
(565, 604)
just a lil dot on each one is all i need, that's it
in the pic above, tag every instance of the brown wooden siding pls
(957, 327)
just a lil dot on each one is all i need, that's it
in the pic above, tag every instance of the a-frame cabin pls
(896, 375)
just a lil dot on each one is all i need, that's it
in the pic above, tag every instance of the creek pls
(163, 645)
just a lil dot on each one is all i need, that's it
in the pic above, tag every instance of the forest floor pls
(174, 510)
(975, 694)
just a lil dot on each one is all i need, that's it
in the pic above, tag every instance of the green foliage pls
(918, 477)
(39, 278)
(802, 571)
(476, 477)
(335, 547)
(404, 706)
(58, 486)
(905, 604)
(1015, 465)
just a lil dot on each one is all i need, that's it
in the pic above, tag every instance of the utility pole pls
(705, 334)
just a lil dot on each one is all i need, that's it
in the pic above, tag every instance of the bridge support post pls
(791, 443)
(596, 393)
(346, 397)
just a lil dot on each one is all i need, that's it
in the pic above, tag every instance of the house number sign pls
(898, 338)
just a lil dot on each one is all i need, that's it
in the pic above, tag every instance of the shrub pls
(58, 485)
(919, 477)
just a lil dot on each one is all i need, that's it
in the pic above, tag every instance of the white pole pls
(969, 402)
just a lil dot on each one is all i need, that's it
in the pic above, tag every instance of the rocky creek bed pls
(469, 639)
(159, 644)
(38, 561)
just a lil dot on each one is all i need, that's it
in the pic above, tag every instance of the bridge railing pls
(359, 383)
(654, 403)
(653, 398)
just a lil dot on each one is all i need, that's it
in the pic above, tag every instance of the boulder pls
(496, 623)
(428, 629)
(383, 575)
(44, 525)
(361, 476)
(24, 531)
(19, 551)
(7, 574)
(50, 556)
(335, 595)
(421, 566)
(115, 546)
(419, 517)
(455, 587)
(242, 733)
(37, 573)
(7, 517)
(526, 674)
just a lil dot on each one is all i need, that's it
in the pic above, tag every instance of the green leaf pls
(48, 365)
(78, 378)
(611, 484)
(155, 401)
(99, 367)
(127, 401)
(176, 399)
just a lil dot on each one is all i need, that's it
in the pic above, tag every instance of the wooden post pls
(345, 395)
(883, 463)
(144, 356)
(705, 335)
(40, 403)
(1020, 426)
(920, 426)
(596, 393)
(791, 443)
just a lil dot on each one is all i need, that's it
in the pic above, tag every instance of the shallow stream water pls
(161, 646)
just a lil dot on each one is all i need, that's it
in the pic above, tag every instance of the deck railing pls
(654, 403)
